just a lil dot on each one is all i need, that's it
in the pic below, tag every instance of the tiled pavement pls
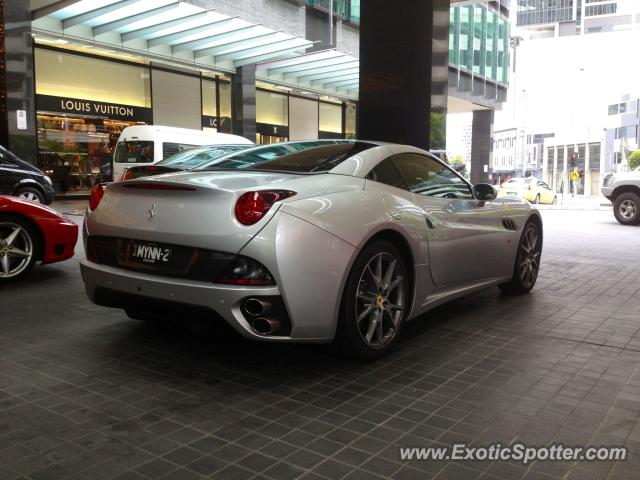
(86, 393)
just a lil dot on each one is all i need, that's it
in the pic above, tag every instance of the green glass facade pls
(478, 36)
(347, 9)
(479, 41)
(340, 7)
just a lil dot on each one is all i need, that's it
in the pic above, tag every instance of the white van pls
(148, 144)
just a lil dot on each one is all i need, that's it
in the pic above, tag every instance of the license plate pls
(512, 193)
(149, 253)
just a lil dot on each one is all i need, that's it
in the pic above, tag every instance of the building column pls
(244, 102)
(17, 91)
(398, 48)
(481, 145)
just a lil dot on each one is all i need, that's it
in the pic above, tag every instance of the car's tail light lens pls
(246, 271)
(252, 206)
(97, 192)
(124, 175)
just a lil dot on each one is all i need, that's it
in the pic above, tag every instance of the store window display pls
(77, 152)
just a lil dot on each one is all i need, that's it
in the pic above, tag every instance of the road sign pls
(575, 176)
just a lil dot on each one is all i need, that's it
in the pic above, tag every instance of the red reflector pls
(252, 206)
(97, 192)
(158, 186)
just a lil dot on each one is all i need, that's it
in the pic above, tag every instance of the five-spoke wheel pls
(32, 194)
(17, 248)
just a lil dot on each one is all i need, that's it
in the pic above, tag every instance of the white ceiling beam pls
(150, 30)
(111, 26)
(203, 42)
(172, 37)
(213, 51)
(242, 53)
(95, 13)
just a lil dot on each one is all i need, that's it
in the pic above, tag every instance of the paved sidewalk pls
(88, 394)
(70, 207)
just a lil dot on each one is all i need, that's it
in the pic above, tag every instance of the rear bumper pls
(114, 287)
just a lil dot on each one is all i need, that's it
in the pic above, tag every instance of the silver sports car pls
(313, 241)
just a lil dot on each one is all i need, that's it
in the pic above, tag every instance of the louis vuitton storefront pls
(83, 103)
(85, 100)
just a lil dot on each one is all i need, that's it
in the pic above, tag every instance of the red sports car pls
(31, 232)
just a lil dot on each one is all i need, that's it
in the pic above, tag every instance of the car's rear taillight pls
(252, 206)
(97, 192)
(123, 175)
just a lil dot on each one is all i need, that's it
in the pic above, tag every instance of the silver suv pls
(623, 190)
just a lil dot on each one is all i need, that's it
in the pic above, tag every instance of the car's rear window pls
(297, 157)
(139, 151)
(197, 156)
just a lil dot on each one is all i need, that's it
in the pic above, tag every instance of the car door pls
(466, 238)
(546, 194)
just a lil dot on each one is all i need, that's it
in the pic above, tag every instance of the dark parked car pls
(21, 179)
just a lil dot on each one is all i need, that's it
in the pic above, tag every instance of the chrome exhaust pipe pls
(265, 326)
(256, 307)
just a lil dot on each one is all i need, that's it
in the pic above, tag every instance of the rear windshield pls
(197, 156)
(170, 148)
(134, 152)
(297, 157)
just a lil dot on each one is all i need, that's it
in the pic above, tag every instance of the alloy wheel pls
(529, 256)
(380, 300)
(30, 196)
(16, 249)
(628, 209)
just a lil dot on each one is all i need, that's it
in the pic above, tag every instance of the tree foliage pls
(634, 160)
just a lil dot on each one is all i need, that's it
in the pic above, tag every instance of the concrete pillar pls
(481, 145)
(398, 48)
(17, 91)
(244, 102)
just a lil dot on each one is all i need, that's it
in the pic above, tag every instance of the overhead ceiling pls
(182, 33)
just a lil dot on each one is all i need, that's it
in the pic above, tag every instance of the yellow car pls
(530, 188)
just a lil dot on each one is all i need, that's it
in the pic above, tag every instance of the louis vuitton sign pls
(93, 108)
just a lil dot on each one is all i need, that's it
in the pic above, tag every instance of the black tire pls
(31, 193)
(626, 208)
(27, 240)
(523, 281)
(537, 199)
(351, 335)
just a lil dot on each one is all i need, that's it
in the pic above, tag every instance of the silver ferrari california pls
(319, 241)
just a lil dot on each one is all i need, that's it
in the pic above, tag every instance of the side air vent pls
(509, 224)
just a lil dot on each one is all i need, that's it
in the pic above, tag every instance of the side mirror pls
(485, 192)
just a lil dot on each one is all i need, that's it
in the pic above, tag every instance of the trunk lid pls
(197, 209)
